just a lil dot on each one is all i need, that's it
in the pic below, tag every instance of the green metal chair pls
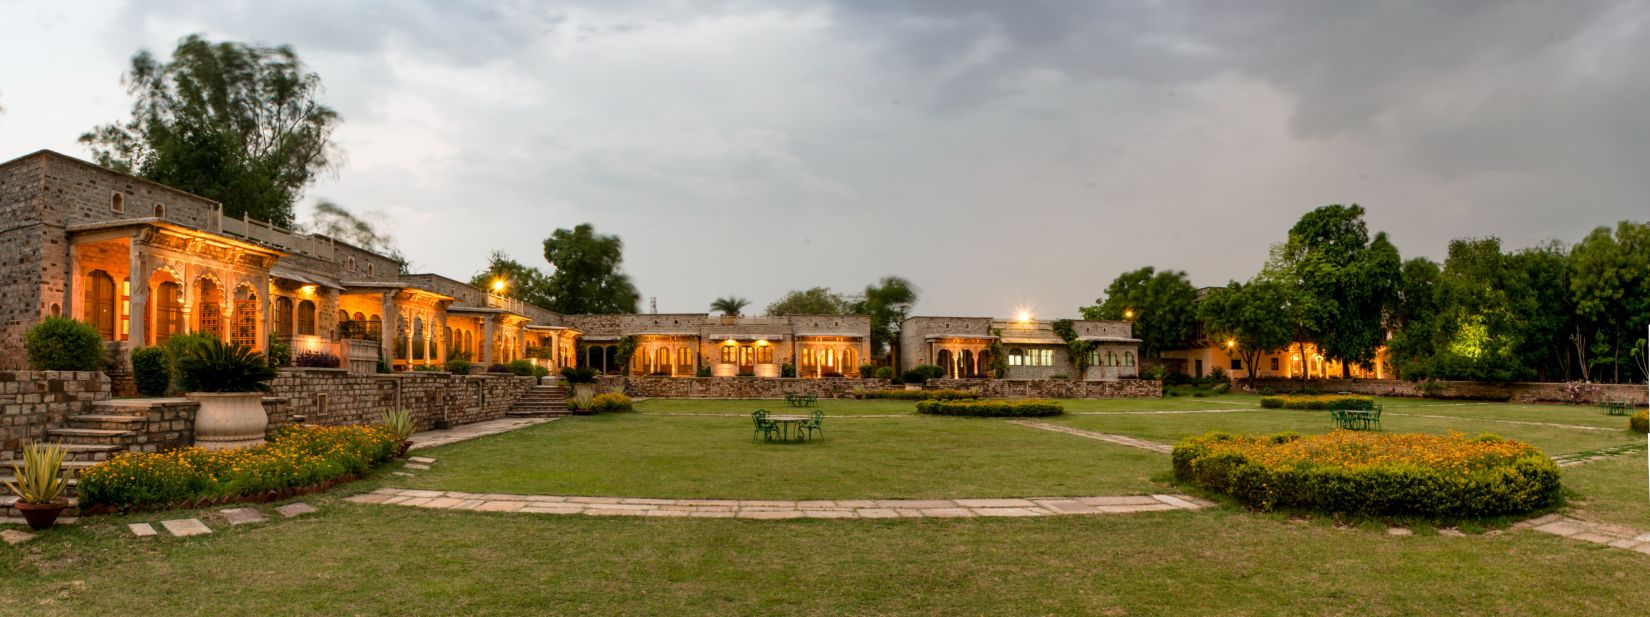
(814, 423)
(768, 429)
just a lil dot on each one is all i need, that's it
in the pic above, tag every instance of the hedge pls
(1640, 422)
(1364, 473)
(918, 395)
(63, 344)
(1318, 402)
(295, 456)
(151, 370)
(992, 409)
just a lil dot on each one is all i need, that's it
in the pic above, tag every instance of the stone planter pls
(913, 386)
(583, 392)
(229, 419)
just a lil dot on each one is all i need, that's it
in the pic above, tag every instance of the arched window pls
(343, 316)
(943, 359)
(245, 325)
(418, 338)
(306, 318)
(984, 362)
(470, 345)
(1016, 357)
(1111, 358)
(683, 358)
(764, 354)
(352, 264)
(100, 302)
(160, 211)
(850, 358)
(283, 316)
(117, 203)
(209, 308)
(168, 311)
(1128, 358)
(730, 354)
(369, 269)
(447, 341)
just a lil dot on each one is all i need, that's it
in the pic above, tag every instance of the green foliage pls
(812, 301)
(398, 423)
(999, 361)
(1610, 282)
(40, 478)
(280, 354)
(921, 373)
(787, 370)
(731, 306)
(232, 122)
(1318, 403)
(1254, 317)
(458, 363)
(1372, 473)
(525, 368)
(216, 366)
(611, 402)
(992, 409)
(918, 395)
(587, 278)
(1345, 282)
(704, 371)
(63, 344)
(521, 282)
(579, 374)
(884, 372)
(1639, 422)
(888, 302)
(866, 371)
(151, 370)
(1077, 351)
(1162, 306)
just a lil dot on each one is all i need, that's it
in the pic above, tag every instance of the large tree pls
(588, 276)
(1349, 280)
(812, 301)
(1414, 310)
(237, 123)
(512, 279)
(1610, 284)
(888, 302)
(1162, 305)
(1478, 328)
(1248, 319)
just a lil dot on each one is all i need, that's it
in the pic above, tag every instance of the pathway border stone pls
(777, 509)
(142, 529)
(1122, 440)
(1615, 536)
(465, 432)
(186, 527)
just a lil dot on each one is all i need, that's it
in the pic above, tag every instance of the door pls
(747, 360)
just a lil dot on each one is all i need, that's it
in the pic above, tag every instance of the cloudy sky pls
(996, 153)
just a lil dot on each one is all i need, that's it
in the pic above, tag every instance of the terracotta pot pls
(41, 515)
(401, 449)
(229, 419)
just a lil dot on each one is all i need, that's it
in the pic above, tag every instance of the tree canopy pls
(888, 302)
(520, 281)
(337, 222)
(1162, 305)
(1248, 319)
(1347, 281)
(588, 276)
(236, 123)
(812, 301)
(731, 306)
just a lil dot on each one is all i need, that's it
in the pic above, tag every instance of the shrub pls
(785, 370)
(1365, 473)
(180, 345)
(884, 372)
(428, 368)
(1639, 422)
(398, 423)
(295, 456)
(41, 478)
(611, 402)
(704, 371)
(316, 359)
(581, 374)
(919, 395)
(151, 371)
(498, 368)
(280, 354)
(1318, 402)
(1216, 375)
(866, 371)
(458, 363)
(922, 373)
(522, 368)
(217, 366)
(991, 409)
(63, 344)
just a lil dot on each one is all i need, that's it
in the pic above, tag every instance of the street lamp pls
(498, 285)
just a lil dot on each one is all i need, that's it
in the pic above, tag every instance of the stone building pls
(967, 348)
(1211, 352)
(688, 344)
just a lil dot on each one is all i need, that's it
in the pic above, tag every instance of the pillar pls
(262, 337)
(72, 305)
(386, 328)
(487, 340)
(139, 298)
(441, 335)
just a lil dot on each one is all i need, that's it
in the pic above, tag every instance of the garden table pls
(786, 422)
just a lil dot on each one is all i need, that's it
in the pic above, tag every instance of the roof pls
(279, 271)
(1108, 339)
(936, 337)
(174, 226)
(1033, 341)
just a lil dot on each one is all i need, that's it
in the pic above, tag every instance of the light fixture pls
(1230, 343)
(1128, 313)
(1022, 315)
(307, 289)
(498, 285)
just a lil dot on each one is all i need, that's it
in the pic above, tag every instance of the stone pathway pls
(1577, 427)
(779, 509)
(1615, 536)
(186, 527)
(1121, 440)
(464, 432)
(1571, 460)
(13, 536)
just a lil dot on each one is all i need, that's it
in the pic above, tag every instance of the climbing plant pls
(1077, 350)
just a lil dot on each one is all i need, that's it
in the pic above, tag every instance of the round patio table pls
(785, 424)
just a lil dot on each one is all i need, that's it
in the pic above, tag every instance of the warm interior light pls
(307, 289)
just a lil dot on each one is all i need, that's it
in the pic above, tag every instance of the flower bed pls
(1639, 422)
(992, 409)
(1372, 473)
(294, 457)
(1318, 402)
(918, 395)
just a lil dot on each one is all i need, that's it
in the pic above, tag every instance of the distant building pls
(966, 348)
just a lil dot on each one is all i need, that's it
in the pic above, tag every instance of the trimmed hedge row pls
(1364, 473)
(1640, 422)
(992, 409)
(1321, 402)
(918, 395)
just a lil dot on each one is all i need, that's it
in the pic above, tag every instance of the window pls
(850, 358)
(283, 316)
(160, 211)
(306, 318)
(1044, 357)
(729, 354)
(244, 328)
(124, 320)
(168, 311)
(764, 354)
(100, 302)
(1111, 358)
(209, 306)
(1128, 358)
(447, 341)
(1237, 365)
(369, 269)
(352, 264)
(682, 357)
(1274, 363)
(807, 357)
(1017, 357)
(117, 203)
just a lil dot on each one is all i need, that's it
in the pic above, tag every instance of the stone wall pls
(1055, 388)
(334, 396)
(747, 387)
(33, 401)
(1468, 390)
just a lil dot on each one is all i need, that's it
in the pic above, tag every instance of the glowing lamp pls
(498, 285)
(1024, 316)
(1128, 313)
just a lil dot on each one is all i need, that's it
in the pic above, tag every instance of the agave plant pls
(399, 423)
(216, 366)
(39, 479)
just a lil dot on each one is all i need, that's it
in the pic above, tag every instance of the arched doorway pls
(168, 311)
(967, 368)
(209, 307)
(245, 330)
(944, 360)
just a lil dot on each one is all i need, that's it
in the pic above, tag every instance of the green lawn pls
(387, 560)
(835, 407)
(1612, 491)
(641, 455)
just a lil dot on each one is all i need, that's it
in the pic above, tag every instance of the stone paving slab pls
(464, 432)
(295, 509)
(186, 527)
(142, 530)
(420, 459)
(417, 466)
(1122, 440)
(1615, 536)
(242, 516)
(15, 537)
(773, 509)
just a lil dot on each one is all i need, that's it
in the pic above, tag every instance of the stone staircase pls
(540, 402)
(90, 438)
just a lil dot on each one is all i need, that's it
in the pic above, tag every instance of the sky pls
(997, 154)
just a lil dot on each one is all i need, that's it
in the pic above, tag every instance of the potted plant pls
(40, 483)
(399, 424)
(583, 379)
(228, 381)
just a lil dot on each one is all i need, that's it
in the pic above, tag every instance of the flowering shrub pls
(991, 409)
(611, 402)
(316, 359)
(1372, 473)
(295, 456)
(1640, 422)
(1318, 402)
(918, 395)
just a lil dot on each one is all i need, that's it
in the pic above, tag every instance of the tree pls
(1249, 319)
(813, 301)
(587, 277)
(1610, 285)
(1541, 294)
(336, 222)
(1348, 280)
(232, 122)
(1477, 330)
(730, 306)
(1162, 305)
(888, 302)
(1413, 313)
(520, 282)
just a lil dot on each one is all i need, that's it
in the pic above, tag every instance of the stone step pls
(536, 414)
(106, 421)
(93, 436)
(90, 453)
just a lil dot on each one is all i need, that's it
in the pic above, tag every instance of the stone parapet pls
(750, 387)
(33, 401)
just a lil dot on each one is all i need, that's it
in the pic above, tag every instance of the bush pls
(1640, 422)
(458, 364)
(884, 372)
(866, 371)
(919, 395)
(922, 373)
(217, 366)
(704, 371)
(499, 368)
(180, 345)
(295, 456)
(63, 344)
(151, 371)
(522, 368)
(581, 374)
(1365, 473)
(1216, 375)
(785, 370)
(1318, 402)
(992, 409)
(280, 354)
(611, 402)
(316, 359)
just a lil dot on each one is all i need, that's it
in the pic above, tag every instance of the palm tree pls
(730, 306)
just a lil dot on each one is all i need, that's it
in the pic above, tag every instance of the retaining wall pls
(750, 387)
(335, 396)
(1577, 393)
(33, 401)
